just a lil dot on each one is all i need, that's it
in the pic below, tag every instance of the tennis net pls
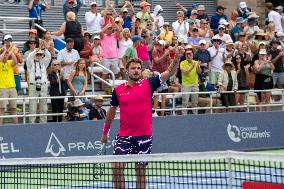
(212, 170)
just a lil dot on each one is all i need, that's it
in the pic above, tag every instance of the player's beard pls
(134, 77)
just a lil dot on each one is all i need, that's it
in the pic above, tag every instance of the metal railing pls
(94, 75)
(173, 96)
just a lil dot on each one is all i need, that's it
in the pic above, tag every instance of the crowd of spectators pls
(220, 54)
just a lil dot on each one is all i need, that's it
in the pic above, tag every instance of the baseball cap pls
(7, 37)
(125, 10)
(166, 24)
(144, 3)
(194, 12)
(70, 1)
(117, 19)
(136, 38)
(162, 42)
(97, 37)
(93, 3)
(221, 26)
(240, 20)
(279, 34)
(215, 37)
(279, 8)
(202, 41)
(201, 7)
(262, 51)
(243, 5)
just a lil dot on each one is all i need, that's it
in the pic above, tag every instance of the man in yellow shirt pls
(7, 83)
(190, 71)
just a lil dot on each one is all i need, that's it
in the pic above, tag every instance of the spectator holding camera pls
(7, 83)
(37, 63)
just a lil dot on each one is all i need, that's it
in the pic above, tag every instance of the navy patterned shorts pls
(132, 145)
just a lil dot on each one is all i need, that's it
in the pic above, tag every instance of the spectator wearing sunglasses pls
(166, 34)
(222, 35)
(127, 18)
(144, 15)
(205, 30)
(194, 38)
(217, 17)
(71, 5)
(201, 13)
(56, 80)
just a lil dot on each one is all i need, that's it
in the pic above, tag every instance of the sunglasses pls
(221, 29)
(238, 57)
(32, 43)
(149, 24)
(39, 54)
(189, 54)
(56, 64)
(205, 23)
(109, 14)
(195, 30)
(215, 40)
(71, 3)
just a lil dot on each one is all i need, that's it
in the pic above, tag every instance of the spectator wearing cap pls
(274, 17)
(276, 54)
(204, 99)
(86, 52)
(37, 63)
(124, 43)
(35, 8)
(96, 111)
(190, 71)
(222, 35)
(166, 34)
(82, 112)
(217, 54)
(7, 83)
(201, 13)
(181, 27)
(71, 5)
(109, 37)
(32, 34)
(158, 18)
(71, 28)
(260, 37)
(12, 48)
(56, 80)
(193, 18)
(205, 31)
(240, 40)
(32, 44)
(94, 20)
(188, 12)
(144, 15)
(243, 10)
(127, 19)
(229, 50)
(263, 79)
(194, 38)
(202, 55)
(228, 81)
(280, 37)
(68, 57)
(131, 52)
(97, 51)
(237, 29)
(161, 56)
(214, 23)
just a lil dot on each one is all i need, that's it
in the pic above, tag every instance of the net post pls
(230, 173)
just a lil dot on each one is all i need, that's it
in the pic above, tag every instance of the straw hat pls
(228, 63)
(99, 97)
(261, 32)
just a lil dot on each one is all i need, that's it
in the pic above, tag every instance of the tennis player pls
(134, 99)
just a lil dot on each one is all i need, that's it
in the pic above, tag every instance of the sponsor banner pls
(261, 185)
(171, 134)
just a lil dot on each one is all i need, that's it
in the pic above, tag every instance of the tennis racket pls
(98, 169)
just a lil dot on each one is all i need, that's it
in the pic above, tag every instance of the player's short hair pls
(133, 60)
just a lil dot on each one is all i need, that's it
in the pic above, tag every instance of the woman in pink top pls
(142, 50)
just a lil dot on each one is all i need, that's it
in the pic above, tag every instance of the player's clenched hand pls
(104, 138)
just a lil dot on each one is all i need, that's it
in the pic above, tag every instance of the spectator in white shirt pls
(67, 57)
(94, 20)
(181, 27)
(37, 63)
(222, 35)
(275, 17)
(217, 59)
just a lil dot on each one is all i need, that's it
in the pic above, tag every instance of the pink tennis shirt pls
(135, 103)
(109, 46)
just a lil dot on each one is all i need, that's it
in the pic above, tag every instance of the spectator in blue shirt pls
(127, 19)
(237, 29)
(70, 5)
(217, 17)
(188, 11)
(35, 10)
(202, 55)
